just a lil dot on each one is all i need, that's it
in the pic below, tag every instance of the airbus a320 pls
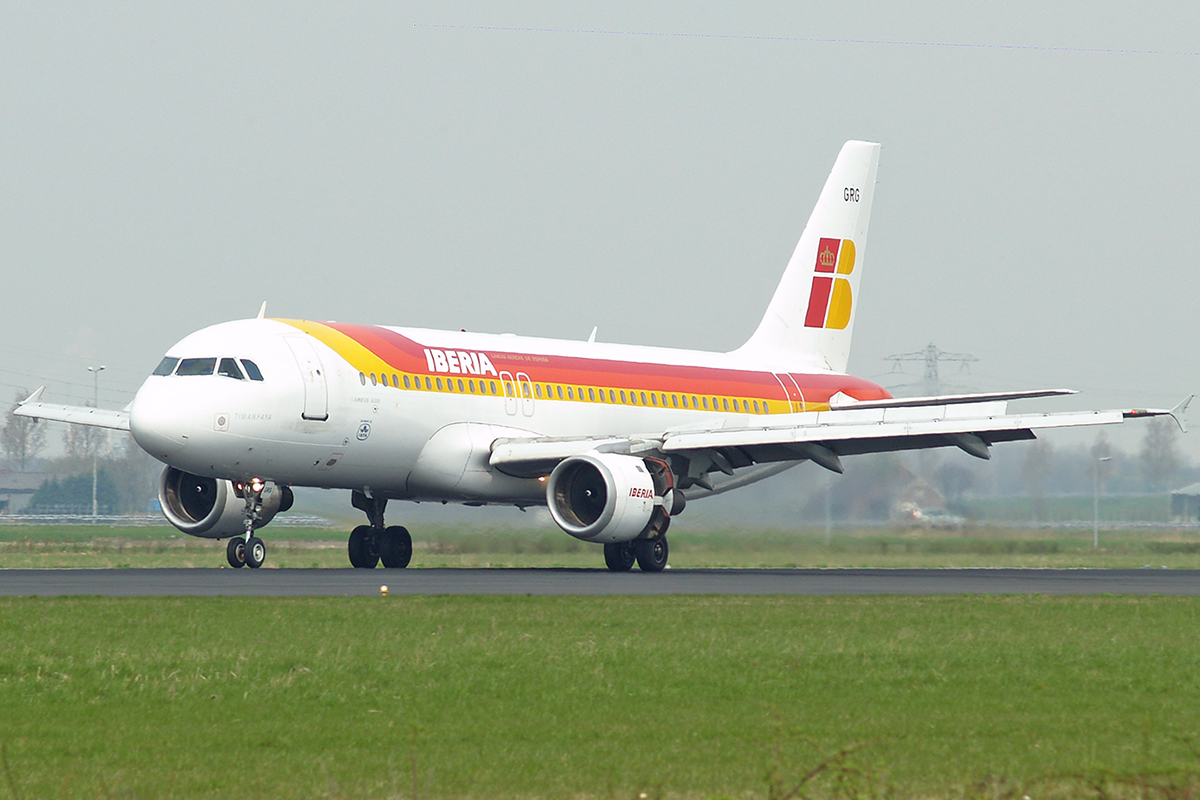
(614, 439)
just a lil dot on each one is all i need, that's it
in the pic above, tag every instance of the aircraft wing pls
(824, 436)
(33, 406)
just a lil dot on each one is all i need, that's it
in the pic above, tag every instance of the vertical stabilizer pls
(811, 316)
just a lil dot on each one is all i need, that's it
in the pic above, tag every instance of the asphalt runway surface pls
(598, 582)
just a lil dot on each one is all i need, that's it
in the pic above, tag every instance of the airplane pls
(613, 439)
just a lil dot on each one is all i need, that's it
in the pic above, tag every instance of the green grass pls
(597, 697)
(27, 546)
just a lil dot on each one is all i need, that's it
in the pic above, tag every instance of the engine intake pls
(212, 508)
(605, 497)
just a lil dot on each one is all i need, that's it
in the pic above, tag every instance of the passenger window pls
(252, 369)
(196, 366)
(622, 395)
(166, 366)
(229, 369)
(560, 391)
(592, 394)
(755, 406)
(407, 384)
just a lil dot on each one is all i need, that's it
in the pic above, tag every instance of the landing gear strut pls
(371, 544)
(249, 550)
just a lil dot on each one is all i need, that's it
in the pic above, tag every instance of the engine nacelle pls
(603, 497)
(211, 508)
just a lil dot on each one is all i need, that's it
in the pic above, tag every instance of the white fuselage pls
(411, 413)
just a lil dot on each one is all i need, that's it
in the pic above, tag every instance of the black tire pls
(235, 552)
(395, 547)
(619, 556)
(651, 554)
(364, 553)
(256, 552)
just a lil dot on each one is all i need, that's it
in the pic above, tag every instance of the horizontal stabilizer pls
(842, 401)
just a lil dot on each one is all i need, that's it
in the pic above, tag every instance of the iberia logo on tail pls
(830, 301)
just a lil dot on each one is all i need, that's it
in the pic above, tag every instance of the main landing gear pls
(650, 555)
(371, 544)
(248, 550)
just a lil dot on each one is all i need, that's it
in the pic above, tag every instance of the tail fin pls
(811, 316)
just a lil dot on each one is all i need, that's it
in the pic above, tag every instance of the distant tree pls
(135, 477)
(22, 438)
(1038, 467)
(954, 479)
(85, 440)
(73, 495)
(1159, 457)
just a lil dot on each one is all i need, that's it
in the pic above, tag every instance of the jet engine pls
(212, 508)
(608, 497)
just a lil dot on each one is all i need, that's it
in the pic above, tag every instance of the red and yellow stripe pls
(383, 356)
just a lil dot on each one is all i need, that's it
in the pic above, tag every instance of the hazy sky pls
(542, 168)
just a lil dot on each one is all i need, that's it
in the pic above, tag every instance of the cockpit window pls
(166, 366)
(229, 369)
(196, 366)
(252, 370)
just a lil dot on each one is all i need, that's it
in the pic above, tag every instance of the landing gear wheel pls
(235, 551)
(363, 550)
(256, 552)
(395, 547)
(619, 556)
(651, 554)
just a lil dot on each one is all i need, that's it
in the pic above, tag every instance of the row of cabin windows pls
(228, 367)
(571, 392)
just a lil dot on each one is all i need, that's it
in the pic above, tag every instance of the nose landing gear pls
(371, 544)
(248, 550)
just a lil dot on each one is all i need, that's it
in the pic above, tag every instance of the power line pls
(931, 355)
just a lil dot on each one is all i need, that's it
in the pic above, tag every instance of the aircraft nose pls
(160, 424)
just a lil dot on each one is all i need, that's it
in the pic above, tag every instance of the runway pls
(590, 582)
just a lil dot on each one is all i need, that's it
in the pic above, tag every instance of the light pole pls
(95, 404)
(1096, 500)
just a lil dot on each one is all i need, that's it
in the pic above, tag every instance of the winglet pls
(1175, 413)
(33, 398)
(262, 311)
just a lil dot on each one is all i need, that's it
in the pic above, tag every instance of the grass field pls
(599, 698)
(27, 546)
(614, 697)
